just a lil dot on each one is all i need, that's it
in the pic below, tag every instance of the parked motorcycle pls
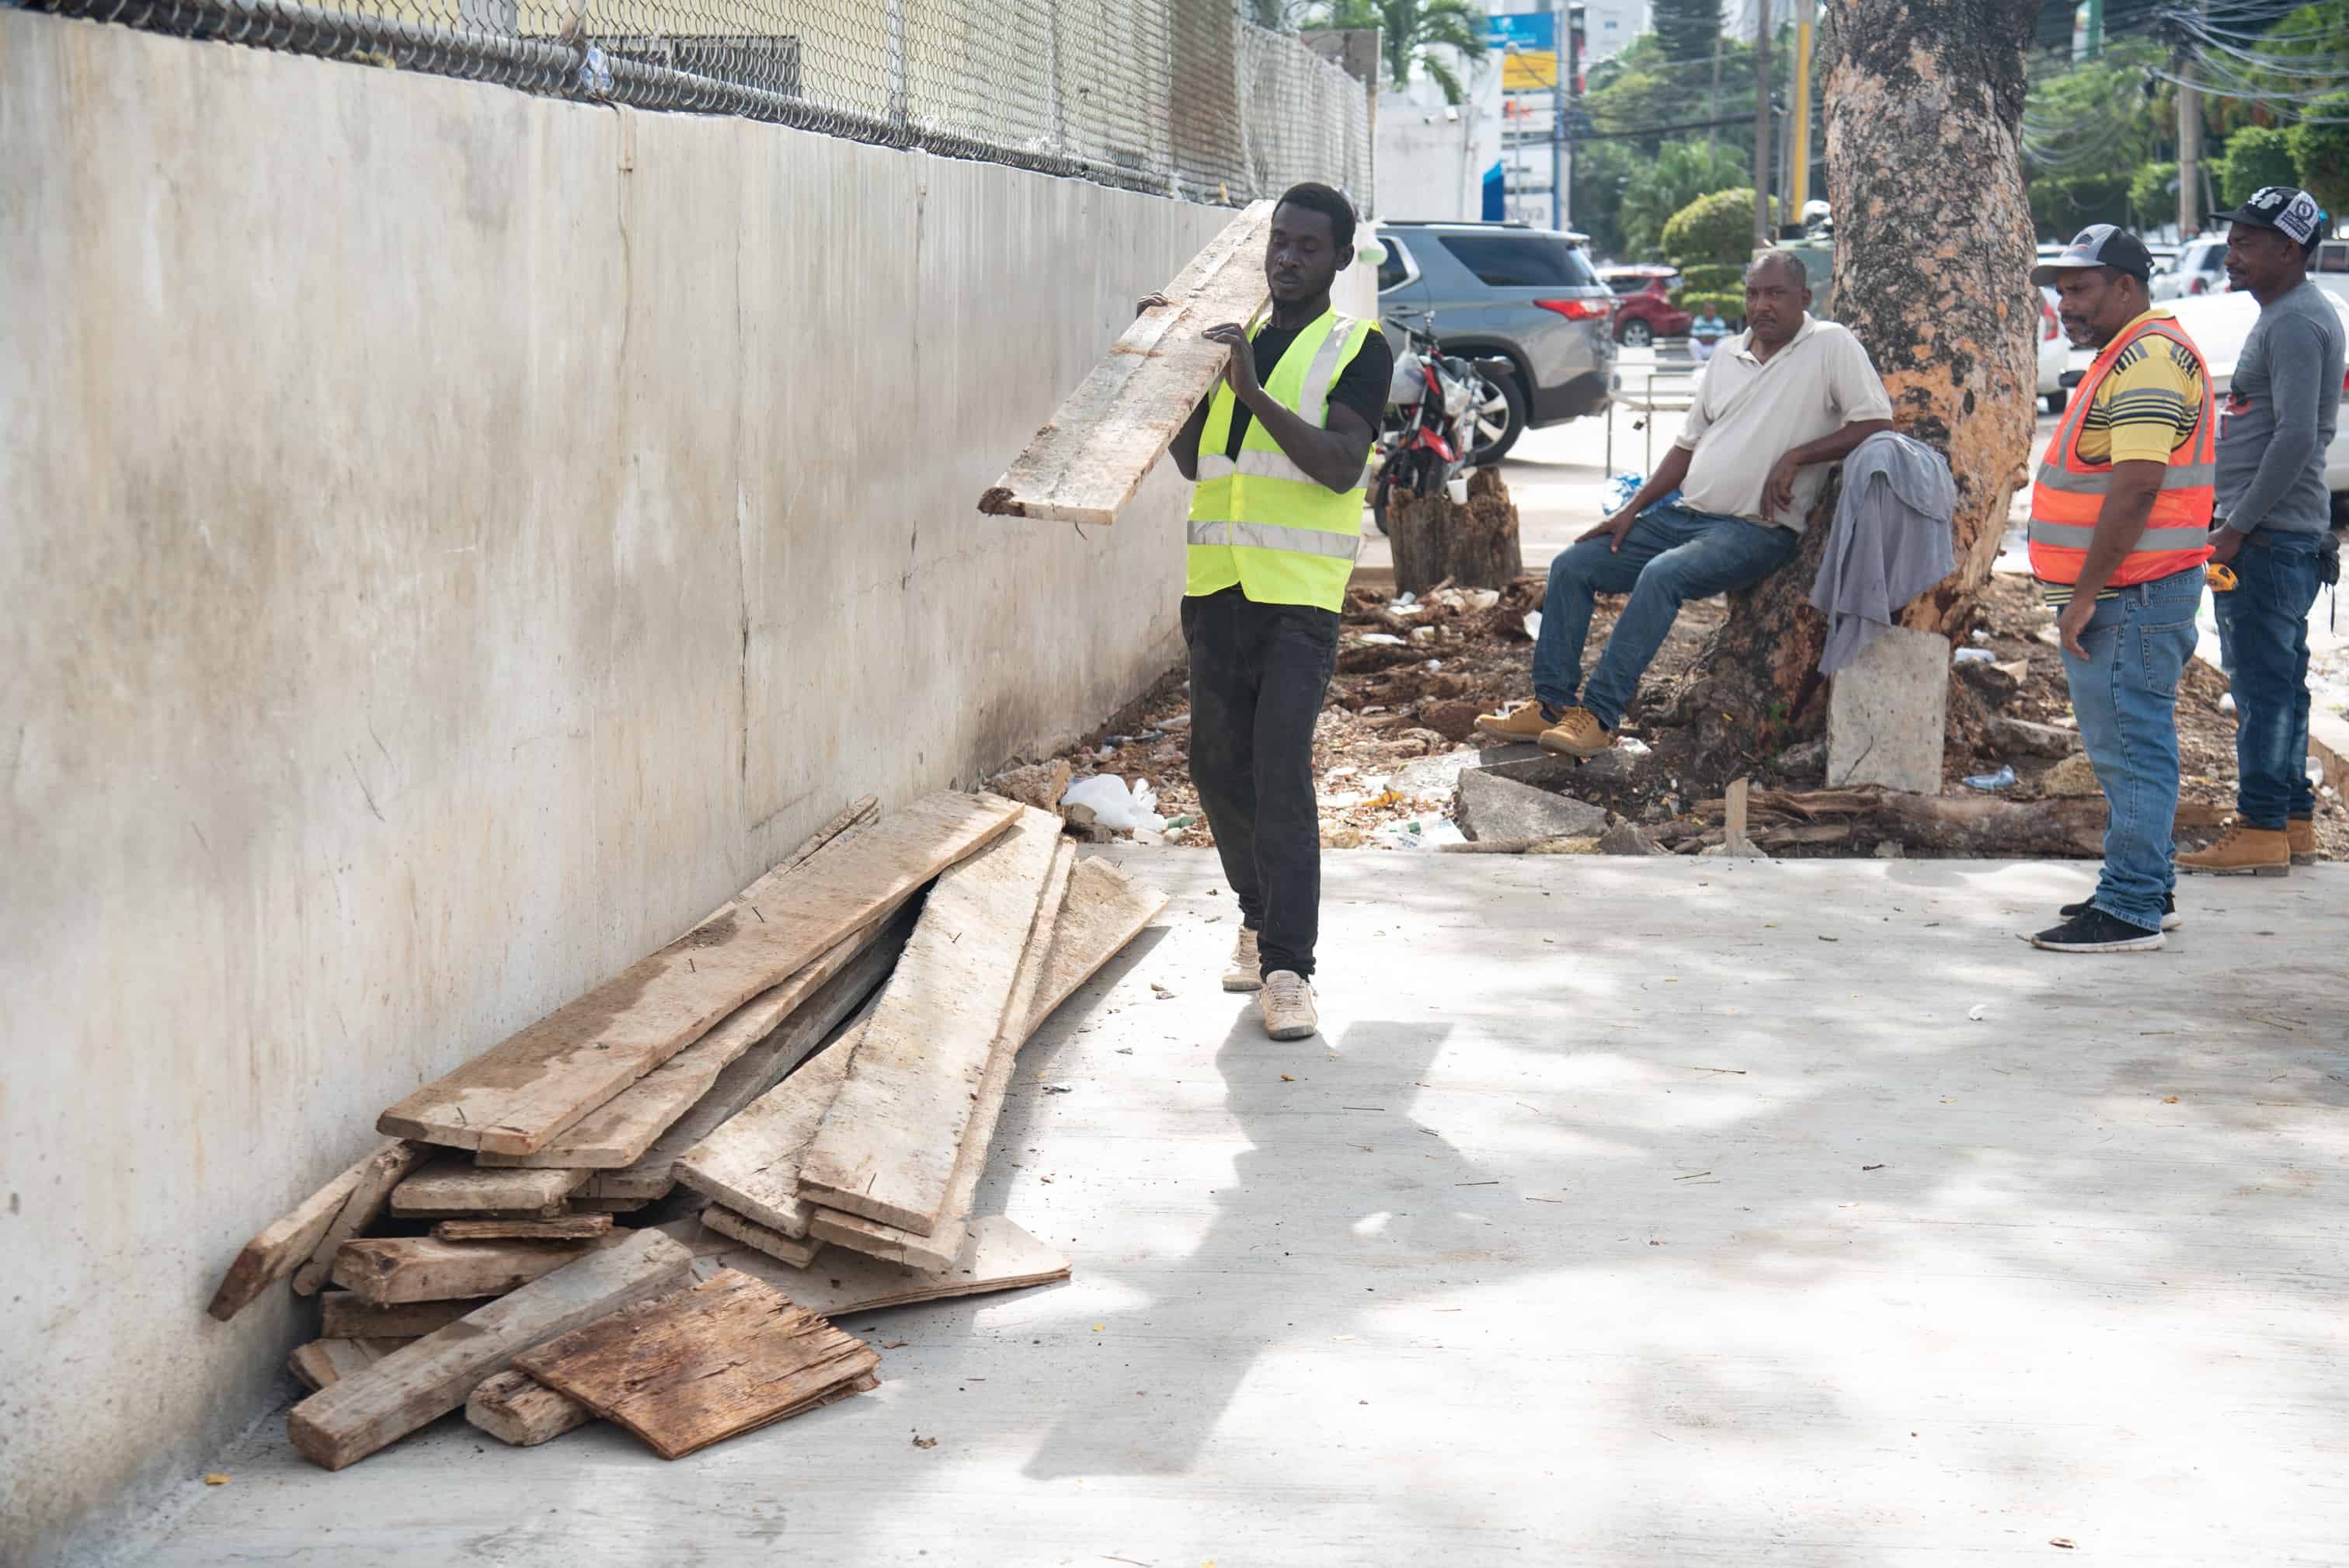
(1437, 409)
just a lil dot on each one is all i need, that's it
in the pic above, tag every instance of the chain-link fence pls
(1177, 96)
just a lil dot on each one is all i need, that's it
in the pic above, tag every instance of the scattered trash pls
(1871, 1168)
(1403, 600)
(1287, 1078)
(2001, 780)
(1182, 821)
(1113, 805)
(1632, 746)
(1125, 1050)
(215, 1477)
(1161, 992)
(1532, 625)
(1382, 639)
(1974, 656)
(2227, 702)
(1978, 1012)
(1180, 721)
(1059, 1087)
(922, 1442)
(2063, 1541)
(2169, 1099)
(1421, 833)
(1982, 636)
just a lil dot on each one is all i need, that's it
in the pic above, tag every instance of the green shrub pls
(1714, 276)
(1718, 228)
(2153, 194)
(2320, 153)
(1730, 306)
(2257, 157)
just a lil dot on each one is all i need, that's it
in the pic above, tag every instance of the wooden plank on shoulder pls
(516, 1408)
(996, 1254)
(568, 1228)
(389, 1269)
(1087, 463)
(1104, 910)
(346, 1315)
(516, 1096)
(428, 1377)
(759, 1237)
(887, 1148)
(727, 1357)
(325, 1361)
(455, 1188)
(289, 1241)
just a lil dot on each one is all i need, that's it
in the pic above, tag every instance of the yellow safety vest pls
(1260, 520)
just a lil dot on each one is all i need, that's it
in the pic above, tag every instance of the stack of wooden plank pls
(821, 1059)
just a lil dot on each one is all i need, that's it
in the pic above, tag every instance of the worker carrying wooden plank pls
(1279, 453)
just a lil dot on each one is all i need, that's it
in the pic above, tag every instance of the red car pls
(1644, 310)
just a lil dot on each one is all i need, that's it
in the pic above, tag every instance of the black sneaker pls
(2170, 919)
(2097, 931)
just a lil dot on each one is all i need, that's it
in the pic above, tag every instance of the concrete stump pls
(1888, 713)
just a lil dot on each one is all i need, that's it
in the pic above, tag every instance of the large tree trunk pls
(1933, 256)
(1471, 546)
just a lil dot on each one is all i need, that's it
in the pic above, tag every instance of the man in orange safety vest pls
(2120, 520)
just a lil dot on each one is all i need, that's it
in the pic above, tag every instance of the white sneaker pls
(1246, 970)
(1287, 1005)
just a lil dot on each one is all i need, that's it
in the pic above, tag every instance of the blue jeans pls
(1673, 555)
(2263, 642)
(2125, 693)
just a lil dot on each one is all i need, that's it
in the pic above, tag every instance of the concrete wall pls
(453, 538)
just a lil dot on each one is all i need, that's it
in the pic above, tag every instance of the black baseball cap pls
(2287, 208)
(2098, 245)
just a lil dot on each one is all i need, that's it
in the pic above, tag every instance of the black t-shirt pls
(1362, 386)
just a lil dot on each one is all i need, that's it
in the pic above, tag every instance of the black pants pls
(1257, 676)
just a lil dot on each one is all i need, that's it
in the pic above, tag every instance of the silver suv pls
(1507, 291)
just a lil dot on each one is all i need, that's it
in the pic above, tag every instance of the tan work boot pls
(1577, 733)
(1245, 972)
(1523, 722)
(1287, 1005)
(2242, 852)
(2300, 833)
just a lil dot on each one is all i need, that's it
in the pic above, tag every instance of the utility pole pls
(1712, 101)
(2190, 148)
(1760, 123)
(1557, 117)
(2095, 28)
(1798, 181)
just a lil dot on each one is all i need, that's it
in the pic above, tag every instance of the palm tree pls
(1414, 32)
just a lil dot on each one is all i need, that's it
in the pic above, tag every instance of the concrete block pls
(1887, 712)
(1489, 808)
(2020, 735)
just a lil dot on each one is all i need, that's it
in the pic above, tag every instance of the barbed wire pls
(1172, 96)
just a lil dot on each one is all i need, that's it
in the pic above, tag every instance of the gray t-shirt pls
(2283, 406)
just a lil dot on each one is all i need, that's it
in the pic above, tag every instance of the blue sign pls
(1527, 30)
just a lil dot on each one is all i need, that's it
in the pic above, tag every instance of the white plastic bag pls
(1115, 806)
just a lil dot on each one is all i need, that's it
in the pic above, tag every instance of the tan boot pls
(1287, 1005)
(1577, 733)
(1522, 723)
(2242, 852)
(2300, 833)
(1245, 972)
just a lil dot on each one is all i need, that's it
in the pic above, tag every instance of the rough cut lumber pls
(516, 1096)
(290, 1240)
(388, 1269)
(516, 1408)
(427, 1378)
(752, 1235)
(568, 1228)
(610, 1205)
(385, 1168)
(458, 1188)
(1088, 462)
(995, 1255)
(727, 1357)
(751, 1164)
(1102, 913)
(887, 1148)
(345, 1314)
(852, 818)
(325, 1361)
(1976, 827)
(790, 1037)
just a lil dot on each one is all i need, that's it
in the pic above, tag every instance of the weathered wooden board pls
(753, 1046)
(384, 1169)
(995, 1255)
(751, 1164)
(1104, 910)
(346, 1315)
(755, 1073)
(325, 1361)
(289, 1241)
(760, 1238)
(887, 1148)
(428, 1377)
(516, 1096)
(455, 1188)
(388, 1269)
(516, 1408)
(569, 1228)
(610, 1205)
(727, 1357)
(1087, 463)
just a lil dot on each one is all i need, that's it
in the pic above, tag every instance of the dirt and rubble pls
(1414, 673)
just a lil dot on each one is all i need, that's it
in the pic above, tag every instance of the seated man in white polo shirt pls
(1773, 408)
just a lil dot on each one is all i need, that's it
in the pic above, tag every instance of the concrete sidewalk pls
(1654, 1213)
